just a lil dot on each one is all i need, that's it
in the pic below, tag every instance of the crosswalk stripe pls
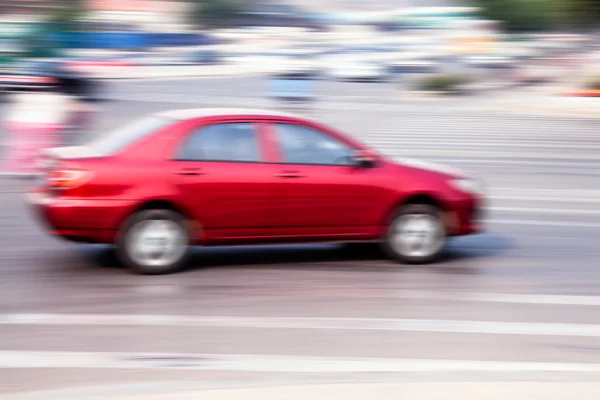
(371, 324)
(271, 363)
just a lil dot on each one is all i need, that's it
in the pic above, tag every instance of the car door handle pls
(190, 172)
(289, 174)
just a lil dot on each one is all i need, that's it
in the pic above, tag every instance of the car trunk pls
(67, 170)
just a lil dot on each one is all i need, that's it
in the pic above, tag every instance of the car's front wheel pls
(416, 234)
(153, 242)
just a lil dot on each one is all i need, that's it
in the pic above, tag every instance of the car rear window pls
(120, 138)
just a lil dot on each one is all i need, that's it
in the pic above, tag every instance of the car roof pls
(226, 112)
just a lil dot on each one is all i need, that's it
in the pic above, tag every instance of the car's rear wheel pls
(416, 234)
(153, 242)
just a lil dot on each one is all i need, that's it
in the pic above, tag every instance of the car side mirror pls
(364, 159)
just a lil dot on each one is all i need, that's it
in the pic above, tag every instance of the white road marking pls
(371, 324)
(399, 151)
(464, 134)
(557, 163)
(565, 211)
(271, 363)
(545, 191)
(570, 224)
(547, 199)
(432, 143)
(547, 299)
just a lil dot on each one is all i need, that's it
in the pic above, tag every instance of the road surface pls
(519, 302)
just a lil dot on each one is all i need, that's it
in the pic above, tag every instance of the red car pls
(232, 176)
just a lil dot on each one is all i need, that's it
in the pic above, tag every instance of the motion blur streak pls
(486, 327)
(459, 139)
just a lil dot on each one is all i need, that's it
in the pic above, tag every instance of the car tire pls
(416, 234)
(154, 242)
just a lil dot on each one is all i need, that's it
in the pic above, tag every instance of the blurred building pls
(151, 15)
(24, 7)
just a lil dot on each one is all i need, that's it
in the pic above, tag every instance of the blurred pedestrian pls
(34, 122)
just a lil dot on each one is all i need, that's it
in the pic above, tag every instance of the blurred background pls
(504, 89)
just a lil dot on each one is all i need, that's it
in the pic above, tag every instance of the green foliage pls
(68, 14)
(538, 15)
(442, 82)
(521, 15)
(215, 13)
(580, 14)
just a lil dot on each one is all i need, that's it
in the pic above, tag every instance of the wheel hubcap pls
(156, 243)
(417, 235)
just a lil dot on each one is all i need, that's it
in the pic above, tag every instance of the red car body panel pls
(240, 202)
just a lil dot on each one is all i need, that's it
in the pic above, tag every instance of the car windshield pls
(118, 139)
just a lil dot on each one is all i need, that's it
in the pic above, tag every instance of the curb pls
(542, 105)
(583, 93)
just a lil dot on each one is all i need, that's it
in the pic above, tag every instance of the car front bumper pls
(464, 217)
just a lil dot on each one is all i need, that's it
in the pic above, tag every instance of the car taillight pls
(67, 178)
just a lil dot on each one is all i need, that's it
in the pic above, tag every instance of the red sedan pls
(232, 176)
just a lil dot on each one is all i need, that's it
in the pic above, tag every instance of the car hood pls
(430, 166)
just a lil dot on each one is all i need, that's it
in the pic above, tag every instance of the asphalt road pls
(519, 302)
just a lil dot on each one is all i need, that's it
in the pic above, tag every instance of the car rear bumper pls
(79, 220)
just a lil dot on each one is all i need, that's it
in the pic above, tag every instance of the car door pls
(222, 179)
(320, 191)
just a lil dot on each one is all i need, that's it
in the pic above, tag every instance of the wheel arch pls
(160, 204)
(192, 223)
(156, 204)
(415, 198)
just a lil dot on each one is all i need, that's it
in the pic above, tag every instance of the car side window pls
(303, 145)
(235, 142)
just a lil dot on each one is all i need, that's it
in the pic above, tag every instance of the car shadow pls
(461, 256)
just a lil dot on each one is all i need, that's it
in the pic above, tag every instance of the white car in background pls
(489, 61)
(359, 71)
(291, 66)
